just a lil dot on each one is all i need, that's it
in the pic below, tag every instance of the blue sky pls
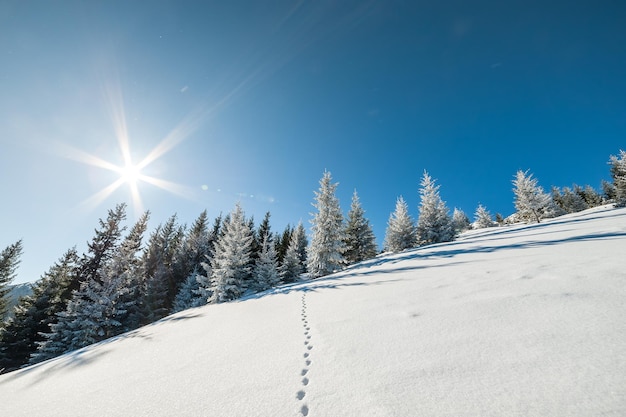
(251, 101)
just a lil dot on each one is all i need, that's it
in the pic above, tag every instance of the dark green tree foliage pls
(35, 313)
(281, 243)
(73, 329)
(9, 260)
(193, 251)
(294, 261)
(359, 242)
(159, 285)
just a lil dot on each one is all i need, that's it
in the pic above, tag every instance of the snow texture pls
(523, 320)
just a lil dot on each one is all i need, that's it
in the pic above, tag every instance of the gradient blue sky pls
(251, 101)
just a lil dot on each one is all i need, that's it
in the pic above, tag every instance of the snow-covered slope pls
(528, 320)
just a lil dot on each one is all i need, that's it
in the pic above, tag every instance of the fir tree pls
(159, 284)
(324, 253)
(188, 296)
(9, 260)
(482, 218)
(205, 284)
(93, 309)
(618, 174)
(434, 224)
(35, 313)
(230, 265)
(281, 243)
(531, 202)
(460, 221)
(266, 268)
(292, 266)
(359, 242)
(302, 244)
(193, 250)
(400, 234)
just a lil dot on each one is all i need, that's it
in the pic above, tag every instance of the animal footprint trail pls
(301, 394)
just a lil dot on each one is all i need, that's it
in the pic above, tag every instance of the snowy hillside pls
(527, 320)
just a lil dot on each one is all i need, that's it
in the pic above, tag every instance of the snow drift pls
(526, 320)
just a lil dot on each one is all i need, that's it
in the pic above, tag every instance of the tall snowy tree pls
(324, 253)
(230, 265)
(188, 295)
(35, 313)
(193, 250)
(531, 202)
(434, 223)
(302, 244)
(359, 242)
(292, 266)
(266, 268)
(460, 221)
(618, 174)
(281, 242)
(159, 284)
(482, 218)
(9, 260)
(76, 326)
(400, 234)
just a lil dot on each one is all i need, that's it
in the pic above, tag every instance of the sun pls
(130, 173)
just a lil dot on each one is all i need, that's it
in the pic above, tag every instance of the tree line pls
(122, 283)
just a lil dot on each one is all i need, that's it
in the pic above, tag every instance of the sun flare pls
(130, 173)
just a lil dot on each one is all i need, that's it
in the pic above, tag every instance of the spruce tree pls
(230, 265)
(482, 218)
(292, 266)
(324, 253)
(266, 268)
(531, 202)
(9, 260)
(188, 296)
(302, 244)
(400, 233)
(281, 242)
(434, 224)
(83, 321)
(618, 174)
(35, 313)
(460, 221)
(359, 242)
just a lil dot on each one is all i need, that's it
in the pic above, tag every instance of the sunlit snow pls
(525, 320)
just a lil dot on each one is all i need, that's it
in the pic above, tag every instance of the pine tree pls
(460, 221)
(482, 218)
(302, 244)
(434, 224)
(618, 174)
(324, 253)
(266, 268)
(159, 284)
(292, 266)
(205, 284)
(9, 260)
(35, 313)
(188, 296)
(92, 309)
(400, 234)
(281, 242)
(193, 250)
(531, 202)
(230, 265)
(358, 239)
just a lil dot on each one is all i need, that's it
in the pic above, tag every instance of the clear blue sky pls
(251, 101)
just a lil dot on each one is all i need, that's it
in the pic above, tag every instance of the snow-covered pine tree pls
(302, 244)
(292, 266)
(205, 284)
(193, 250)
(74, 329)
(568, 201)
(618, 174)
(359, 242)
(9, 260)
(281, 243)
(35, 313)
(159, 286)
(460, 221)
(434, 224)
(231, 259)
(531, 202)
(266, 268)
(482, 218)
(400, 234)
(324, 253)
(188, 295)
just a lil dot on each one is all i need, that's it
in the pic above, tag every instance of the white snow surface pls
(525, 320)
